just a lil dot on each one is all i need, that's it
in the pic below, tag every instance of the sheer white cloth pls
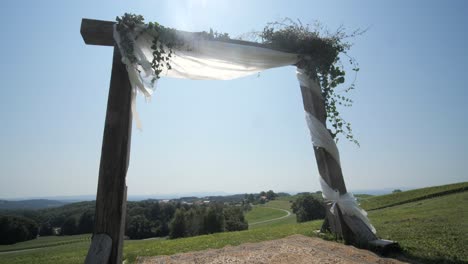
(318, 132)
(201, 59)
(347, 203)
(198, 59)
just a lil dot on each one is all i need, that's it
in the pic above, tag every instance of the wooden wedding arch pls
(107, 241)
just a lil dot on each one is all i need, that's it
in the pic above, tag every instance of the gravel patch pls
(297, 249)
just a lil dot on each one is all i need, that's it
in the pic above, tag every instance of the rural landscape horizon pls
(138, 197)
(268, 215)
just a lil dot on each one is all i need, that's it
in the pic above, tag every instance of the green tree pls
(214, 220)
(194, 221)
(15, 229)
(234, 219)
(45, 229)
(86, 222)
(139, 227)
(251, 198)
(271, 195)
(307, 208)
(69, 227)
(137, 210)
(154, 212)
(178, 225)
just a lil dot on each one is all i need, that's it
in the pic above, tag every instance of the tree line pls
(145, 219)
(151, 218)
(207, 220)
(15, 229)
(262, 197)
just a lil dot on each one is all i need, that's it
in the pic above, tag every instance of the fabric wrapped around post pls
(321, 138)
(347, 203)
(318, 132)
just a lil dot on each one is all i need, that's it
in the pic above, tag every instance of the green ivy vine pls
(127, 25)
(319, 55)
(164, 40)
(319, 52)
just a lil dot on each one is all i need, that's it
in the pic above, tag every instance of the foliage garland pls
(164, 40)
(319, 56)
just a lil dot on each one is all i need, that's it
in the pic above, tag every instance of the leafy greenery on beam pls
(320, 58)
(164, 40)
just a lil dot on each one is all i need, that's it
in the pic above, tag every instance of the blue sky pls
(244, 135)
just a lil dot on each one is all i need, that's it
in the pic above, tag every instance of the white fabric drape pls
(198, 59)
(318, 132)
(201, 59)
(347, 203)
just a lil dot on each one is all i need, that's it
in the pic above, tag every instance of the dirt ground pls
(295, 249)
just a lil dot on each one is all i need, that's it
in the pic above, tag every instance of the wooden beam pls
(111, 193)
(99, 32)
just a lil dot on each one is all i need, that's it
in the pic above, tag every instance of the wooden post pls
(122, 225)
(111, 193)
(352, 229)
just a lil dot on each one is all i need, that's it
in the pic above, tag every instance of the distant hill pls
(32, 204)
(218, 198)
(393, 199)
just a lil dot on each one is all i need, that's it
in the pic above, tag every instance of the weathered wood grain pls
(110, 200)
(100, 249)
(122, 224)
(97, 32)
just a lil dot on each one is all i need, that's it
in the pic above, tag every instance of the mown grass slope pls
(283, 221)
(259, 214)
(283, 204)
(48, 241)
(432, 230)
(68, 253)
(383, 201)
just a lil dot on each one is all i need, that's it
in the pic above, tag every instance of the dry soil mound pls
(293, 249)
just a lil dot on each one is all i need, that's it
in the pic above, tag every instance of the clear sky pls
(246, 135)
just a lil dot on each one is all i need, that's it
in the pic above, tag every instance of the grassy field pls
(219, 240)
(430, 231)
(259, 214)
(383, 201)
(281, 204)
(284, 221)
(68, 253)
(75, 253)
(49, 241)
